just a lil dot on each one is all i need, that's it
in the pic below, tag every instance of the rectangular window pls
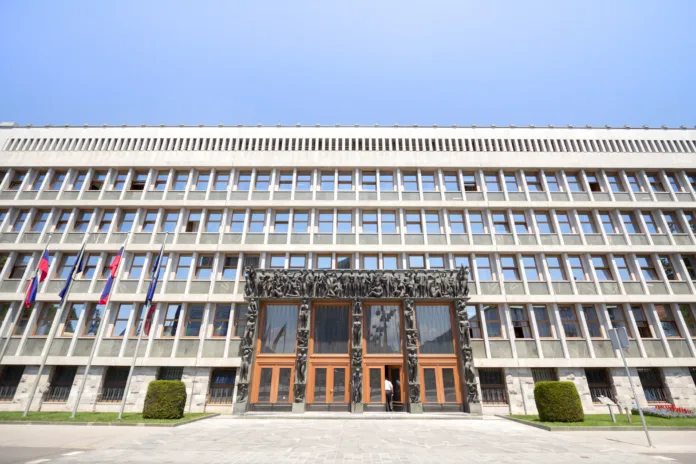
(544, 223)
(97, 181)
(204, 267)
(470, 184)
(413, 223)
(105, 222)
(298, 261)
(531, 269)
(386, 181)
(587, 223)
(77, 183)
(456, 221)
(564, 223)
(126, 221)
(20, 265)
(593, 182)
(90, 267)
(169, 222)
(667, 266)
(690, 265)
(285, 181)
(326, 181)
(324, 262)
(607, 223)
(451, 182)
(344, 222)
(434, 329)
(67, 261)
(511, 182)
(416, 262)
(369, 222)
(369, 181)
(82, 221)
(428, 182)
(602, 268)
(634, 183)
(92, 321)
(170, 373)
(138, 182)
(493, 389)
(520, 322)
(171, 320)
(673, 223)
(278, 261)
(500, 223)
(615, 182)
(574, 183)
(345, 181)
(483, 268)
(194, 320)
(650, 223)
(390, 262)
(544, 374)
(383, 329)
(476, 222)
(244, 181)
(282, 219)
(617, 318)
(62, 222)
(57, 180)
(493, 326)
(534, 182)
(213, 222)
(436, 261)
(161, 181)
(492, 182)
(136, 267)
(183, 267)
(569, 319)
(410, 182)
(577, 268)
(674, 182)
(121, 320)
(647, 268)
(240, 314)
(556, 268)
(229, 267)
(39, 222)
(656, 183)
(543, 323)
(119, 181)
(630, 222)
(326, 222)
(180, 181)
(45, 319)
(689, 320)
(370, 262)
(432, 222)
(222, 181)
(474, 321)
(624, 271)
(593, 325)
(520, 220)
(509, 267)
(21, 326)
(644, 329)
(263, 181)
(552, 182)
(237, 223)
(256, 222)
(331, 329)
(666, 317)
(279, 329)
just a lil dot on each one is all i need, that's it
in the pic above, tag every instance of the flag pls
(41, 274)
(148, 319)
(154, 276)
(76, 269)
(112, 275)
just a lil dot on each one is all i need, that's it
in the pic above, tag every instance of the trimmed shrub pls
(165, 399)
(558, 402)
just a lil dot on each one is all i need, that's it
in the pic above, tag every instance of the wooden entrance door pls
(373, 381)
(329, 384)
(273, 383)
(440, 384)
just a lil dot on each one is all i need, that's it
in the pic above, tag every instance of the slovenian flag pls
(112, 275)
(76, 269)
(154, 278)
(41, 274)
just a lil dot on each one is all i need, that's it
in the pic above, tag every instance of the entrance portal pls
(375, 397)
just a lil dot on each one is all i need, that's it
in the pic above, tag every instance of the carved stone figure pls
(301, 366)
(414, 392)
(357, 308)
(357, 333)
(356, 384)
(409, 315)
(299, 393)
(412, 365)
(242, 392)
(304, 314)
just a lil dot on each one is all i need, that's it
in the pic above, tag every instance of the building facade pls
(356, 238)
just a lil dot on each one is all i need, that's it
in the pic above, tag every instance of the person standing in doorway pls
(389, 392)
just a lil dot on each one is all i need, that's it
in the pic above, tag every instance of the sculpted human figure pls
(251, 284)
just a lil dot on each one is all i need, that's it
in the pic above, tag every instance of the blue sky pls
(349, 62)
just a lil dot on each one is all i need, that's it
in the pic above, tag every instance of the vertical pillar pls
(415, 406)
(466, 359)
(244, 377)
(303, 325)
(356, 358)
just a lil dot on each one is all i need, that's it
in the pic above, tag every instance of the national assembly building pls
(299, 269)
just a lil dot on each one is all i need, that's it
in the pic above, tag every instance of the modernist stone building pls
(305, 265)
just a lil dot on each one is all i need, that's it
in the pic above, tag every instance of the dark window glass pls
(280, 329)
(430, 385)
(320, 385)
(383, 329)
(434, 329)
(265, 384)
(375, 385)
(448, 385)
(331, 329)
(284, 383)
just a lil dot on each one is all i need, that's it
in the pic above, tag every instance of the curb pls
(108, 424)
(627, 428)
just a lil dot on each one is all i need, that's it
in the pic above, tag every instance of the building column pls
(472, 402)
(415, 406)
(303, 325)
(356, 358)
(244, 376)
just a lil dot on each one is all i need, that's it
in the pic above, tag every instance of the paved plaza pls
(228, 439)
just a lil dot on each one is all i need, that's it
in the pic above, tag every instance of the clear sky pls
(371, 62)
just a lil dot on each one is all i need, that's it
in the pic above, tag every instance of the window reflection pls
(434, 329)
(279, 330)
(383, 329)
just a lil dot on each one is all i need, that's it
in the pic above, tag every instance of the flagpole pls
(93, 351)
(18, 316)
(146, 311)
(52, 332)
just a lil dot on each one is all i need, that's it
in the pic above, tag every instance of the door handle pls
(331, 391)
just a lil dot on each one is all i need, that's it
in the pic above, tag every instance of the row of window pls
(349, 180)
(332, 331)
(299, 221)
(351, 144)
(485, 267)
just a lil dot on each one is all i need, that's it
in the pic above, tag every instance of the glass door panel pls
(376, 385)
(265, 385)
(320, 385)
(430, 385)
(449, 385)
(284, 376)
(395, 379)
(338, 394)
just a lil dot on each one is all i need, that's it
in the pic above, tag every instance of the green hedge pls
(165, 399)
(558, 402)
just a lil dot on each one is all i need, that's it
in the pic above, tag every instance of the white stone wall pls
(623, 388)
(680, 385)
(520, 389)
(196, 380)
